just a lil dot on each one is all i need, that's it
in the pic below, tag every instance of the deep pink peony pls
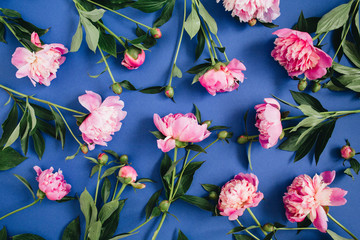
(52, 184)
(268, 122)
(307, 196)
(238, 194)
(246, 10)
(224, 79)
(133, 58)
(295, 51)
(103, 120)
(41, 66)
(180, 127)
(347, 152)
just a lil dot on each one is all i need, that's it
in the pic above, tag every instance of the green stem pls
(19, 209)
(209, 47)
(305, 228)
(211, 40)
(217, 38)
(141, 225)
(121, 190)
(2, 20)
(97, 184)
(256, 220)
(173, 178)
(179, 44)
(40, 100)
(340, 225)
(181, 174)
(347, 30)
(116, 186)
(316, 36)
(107, 65)
(200, 152)
(159, 227)
(322, 38)
(247, 230)
(291, 118)
(112, 33)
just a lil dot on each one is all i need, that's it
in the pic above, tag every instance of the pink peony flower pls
(52, 184)
(238, 194)
(307, 196)
(103, 120)
(268, 122)
(180, 127)
(246, 10)
(347, 152)
(133, 58)
(41, 66)
(295, 51)
(128, 172)
(223, 79)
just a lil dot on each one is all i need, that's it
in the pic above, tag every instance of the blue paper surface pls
(264, 77)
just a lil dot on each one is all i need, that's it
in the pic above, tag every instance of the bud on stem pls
(302, 85)
(169, 91)
(222, 135)
(116, 87)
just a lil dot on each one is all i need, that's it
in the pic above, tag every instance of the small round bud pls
(207, 122)
(103, 158)
(180, 144)
(302, 85)
(282, 135)
(124, 159)
(252, 22)
(222, 135)
(268, 227)
(164, 205)
(169, 91)
(213, 195)
(242, 139)
(316, 87)
(84, 149)
(347, 152)
(40, 194)
(156, 33)
(116, 87)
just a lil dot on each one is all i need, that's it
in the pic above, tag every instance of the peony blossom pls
(133, 58)
(247, 10)
(347, 152)
(179, 127)
(40, 66)
(294, 50)
(128, 175)
(268, 122)
(223, 78)
(103, 120)
(52, 184)
(238, 194)
(308, 196)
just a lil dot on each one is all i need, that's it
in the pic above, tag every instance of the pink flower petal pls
(320, 222)
(91, 101)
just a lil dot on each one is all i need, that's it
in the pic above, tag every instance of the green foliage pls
(72, 230)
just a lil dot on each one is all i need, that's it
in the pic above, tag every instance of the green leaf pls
(151, 204)
(2, 33)
(284, 102)
(197, 114)
(39, 143)
(149, 6)
(214, 128)
(158, 134)
(302, 24)
(30, 27)
(198, 68)
(211, 187)
(152, 90)
(89, 209)
(127, 85)
(345, 69)
(94, 170)
(166, 14)
(111, 224)
(352, 52)
(199, 202)
(107, 210)
(306, 144)
(46, 128)
(290, 144)
(311, 23)
(164, 167)
(122, 235)
(92, 34)
(74, 155)
(307, 122)
(26, 183)
(335, 236)
(105, 190)
(3, 234)
(94, 15)
(348, 172)
(236, 229)
(187, 178)
(142, 180)
(337, 40)
(200, 45)
(138, 40)
(171, 168)
(306, 99)
(94, 231)
(351, 82)
(72, 230)
(27, 236)
(114, 154)
(355, 30)
(107, 43)
(77, 39)
(208, 19)
(66, 199)
(192, 23)
(181, 236)
(9, 158)
(110, 171)
(59, 127)
(355, 165)
(195, 148)
(269, 236)
(10, 136)
(10, 13)
(243, 237)
(324, 136)
(334, 19)
(98, 75)
(176, 72)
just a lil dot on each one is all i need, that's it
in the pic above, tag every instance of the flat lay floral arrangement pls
(164, 119)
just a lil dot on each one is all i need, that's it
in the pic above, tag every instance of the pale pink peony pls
(307, 196)
(246, 10)
(41, 66)
(295, 51)
(347, 152)
(180, 127)
(126, 173)
(133, 58)
(52, 184)
(268, 122)
(223, 79)
(238, 194)
(103, 120)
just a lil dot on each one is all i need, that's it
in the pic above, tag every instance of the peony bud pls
(169, 92)
(302, 85)
(103, 158)
(124, 159)
(116, 87)
(316, 87)
(127, 175)
(207, 122)
(138, 185)
(269, 227)
(252, 22)
(133, 58)
(242, 139)
(164, 205)
(180, 144)
(84, 149)
(213, 195)
(40, 194)
(156, 33)
(222, 135)
(347, 152)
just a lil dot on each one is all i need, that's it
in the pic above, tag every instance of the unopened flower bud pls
(169, 91)
(103, 158)
(269, 227)
(222, 135)
(84, 149)
(156, 33)
(124, 159)
(180, 144)
(213, 195)
(347, 152)
(116, 87)
(302, 85)
(207, 122)
(138, 185)
(252, 22)
(40, 194)
(242, 139)
(127, 175)
(316, 87)
(164, 205)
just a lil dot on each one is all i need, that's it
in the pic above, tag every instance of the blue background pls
(264, 77)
